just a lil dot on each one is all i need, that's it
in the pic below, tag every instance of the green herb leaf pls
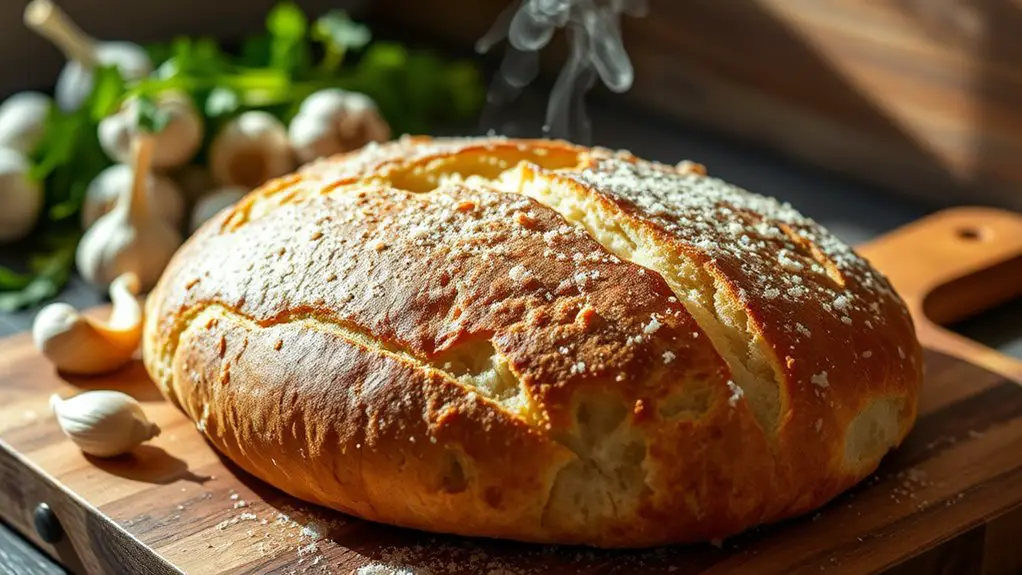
(151, 117)
(195, 57)
(108, 89)
(274, 72)
(12, 280)
(255, 51)
(336, 28)
(338, 34)
(288, 26)
(158, 53)
(207, 51)
(70, 206)
(286, 20)
(40, 289)
(464, 89)
(69, 155)
(384, 56)
(51, 270)
(222, 102)
(57, 144)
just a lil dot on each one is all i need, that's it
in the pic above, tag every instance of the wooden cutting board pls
(947, 501)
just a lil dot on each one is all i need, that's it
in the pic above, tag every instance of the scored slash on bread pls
(535, 341)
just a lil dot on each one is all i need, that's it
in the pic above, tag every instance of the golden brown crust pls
(378, 324)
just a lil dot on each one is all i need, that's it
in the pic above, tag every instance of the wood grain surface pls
(946, 501)
(920, 96)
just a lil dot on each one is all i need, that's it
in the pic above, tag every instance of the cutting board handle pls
(952, 265)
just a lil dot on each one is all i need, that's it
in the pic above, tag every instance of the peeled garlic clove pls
(213, 203)
(103, 423)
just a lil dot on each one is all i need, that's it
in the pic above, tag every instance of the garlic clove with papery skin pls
(75, 81)
(333, 121)
(77, 344)
(250, 150)
(74, 84)
(21, 197)
(101, 196)
(103, 423)
(23, 120)
(131, 238)
(176, 143)
(84, 54)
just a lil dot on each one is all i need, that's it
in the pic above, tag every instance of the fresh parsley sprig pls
(273, 72)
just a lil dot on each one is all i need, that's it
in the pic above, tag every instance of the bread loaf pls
(536, 341)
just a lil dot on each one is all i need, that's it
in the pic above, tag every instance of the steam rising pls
(595, 51)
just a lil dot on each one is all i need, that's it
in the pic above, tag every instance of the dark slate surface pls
(18, 557)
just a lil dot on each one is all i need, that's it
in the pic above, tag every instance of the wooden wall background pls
(923, 97)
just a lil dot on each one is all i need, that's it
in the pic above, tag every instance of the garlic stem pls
(137, 197)
(122, 328)
(48, 20)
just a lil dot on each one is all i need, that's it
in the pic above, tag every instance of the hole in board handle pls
(974, 234)
(985, 306)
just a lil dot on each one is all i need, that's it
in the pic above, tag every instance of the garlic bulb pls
(84, 54)
(131, 238)
(176, 144)
(250, 150)
(74, 84)
(21, 198)
(213, 203)
(77, 344)
(23, 120)
(332, 121)
(103, 423)
(103, 192)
